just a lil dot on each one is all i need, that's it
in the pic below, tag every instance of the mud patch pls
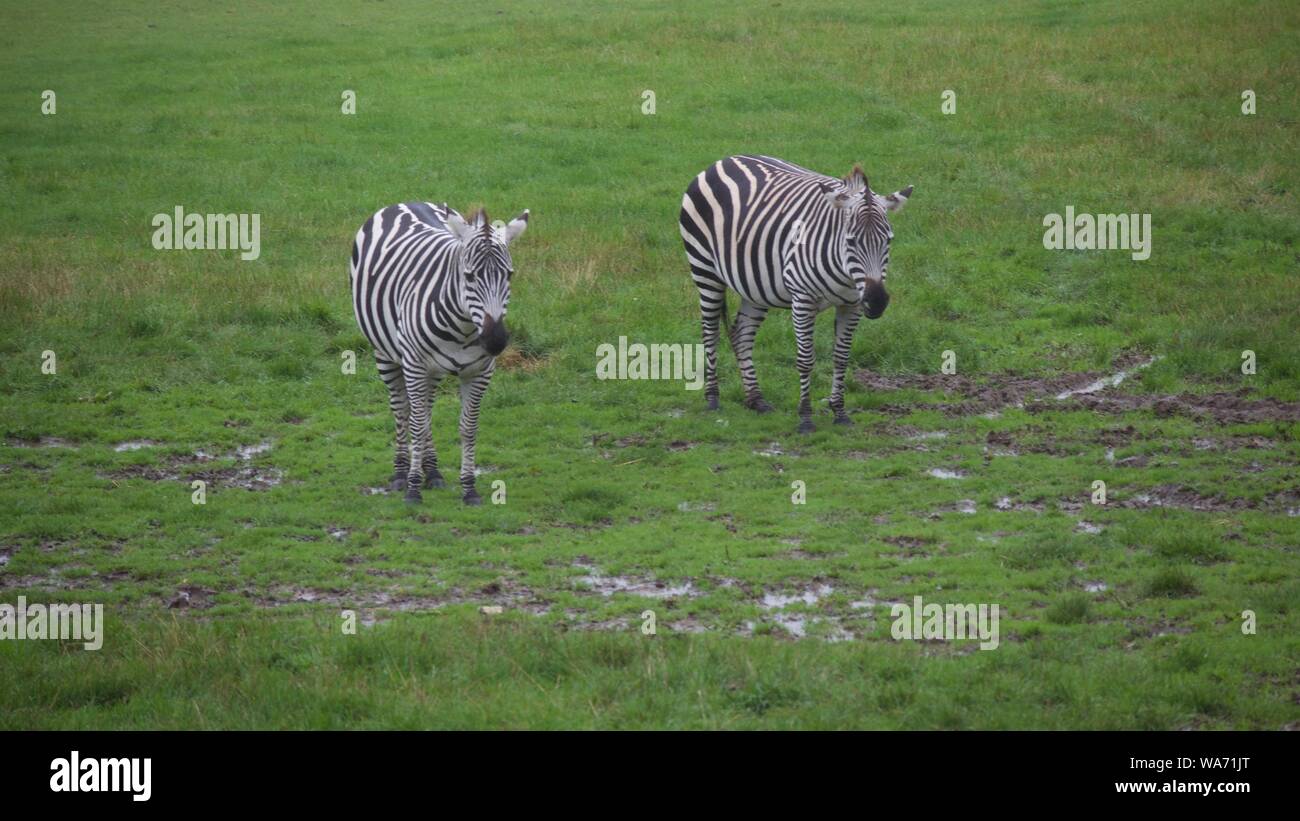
(1224, 408)
(644, 586)
(187, 468)
(1185, 498)
(990, 394)
(41, 442)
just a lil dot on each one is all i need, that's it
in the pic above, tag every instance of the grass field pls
(628, 496)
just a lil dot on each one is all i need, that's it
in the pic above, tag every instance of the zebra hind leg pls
(743, 331)
(713, 295)
(391, 373)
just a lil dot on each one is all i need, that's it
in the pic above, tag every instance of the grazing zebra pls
(430, 290)
(782, 236)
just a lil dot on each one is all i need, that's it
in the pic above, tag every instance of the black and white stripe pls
(782, 236)
(430, 291)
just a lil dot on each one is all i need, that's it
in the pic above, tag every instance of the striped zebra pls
(430, 290)
(782, 236)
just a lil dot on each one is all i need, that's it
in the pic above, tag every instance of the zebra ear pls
(459, 228)
(856, 181)
(516, 226)
(896, 200)
(836, 194)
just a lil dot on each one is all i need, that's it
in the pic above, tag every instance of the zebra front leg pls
(805, 319)
(471, 393)
(391, 373)
(417, 397)
(748, 318)
(432, 477)
(712, 303)
(846, 321)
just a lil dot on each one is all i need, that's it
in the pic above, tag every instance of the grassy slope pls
(1109, 107)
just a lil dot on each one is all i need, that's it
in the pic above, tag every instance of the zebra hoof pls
(843, 419)
(806, 426)
(434, 480)
(413, 496)
(472, 499)
(713, 403)
(397, 482)
(759, 405)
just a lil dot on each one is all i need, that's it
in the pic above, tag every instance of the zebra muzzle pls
(875, 300)
(493, 335)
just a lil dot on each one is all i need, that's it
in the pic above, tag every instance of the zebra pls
(782, 236)
(430, 290)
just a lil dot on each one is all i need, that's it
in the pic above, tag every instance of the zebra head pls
(868, 234)
(485, 270)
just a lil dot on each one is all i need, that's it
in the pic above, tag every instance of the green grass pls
(1109, 107)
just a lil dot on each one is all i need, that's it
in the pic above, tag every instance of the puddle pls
(246, 452)
(773, 449)
(636, 586)
(135, 444)
(1088, 527)
(1106, 382)
(1096, 587)
(946, 473)
(692, 507)
(928, 435)
(1006, 503)
(814, 594)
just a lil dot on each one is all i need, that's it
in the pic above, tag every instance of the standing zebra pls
(430, 290)
(782, 236)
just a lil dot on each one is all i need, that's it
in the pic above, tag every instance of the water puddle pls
(947, 473)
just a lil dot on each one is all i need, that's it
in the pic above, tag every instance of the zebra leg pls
(748, 318)
(417, 396)
(846, 321)
(712, 299)
(391, 373)
(432, 477)
(471, 393)
(805, 318)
